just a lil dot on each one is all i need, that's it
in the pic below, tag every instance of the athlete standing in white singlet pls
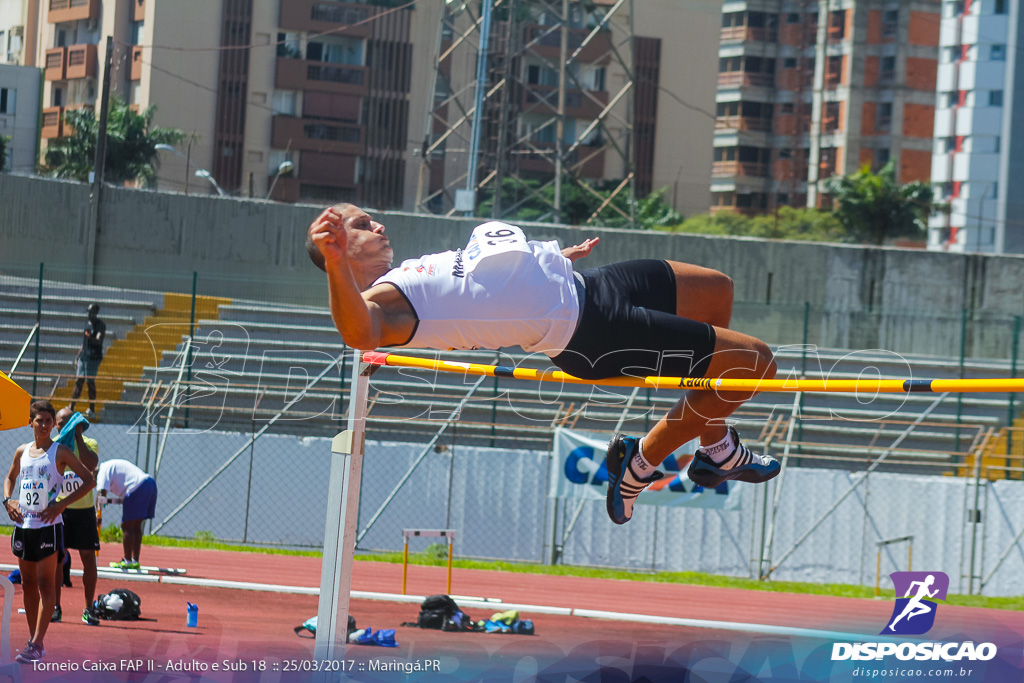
(649, 316)
(38, 539)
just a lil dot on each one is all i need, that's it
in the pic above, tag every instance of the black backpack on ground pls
(436, 611)
(130, 609)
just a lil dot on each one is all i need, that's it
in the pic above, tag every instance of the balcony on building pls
(331, 137)
(742, 202)
(546, 41)
(320, 16)
(746, 71)
(136, 71)
(743, 116)
(743, 161)
(322, 172)
(82, 61)
(302, 74)
(747, 26)
(55, 64)
(542, 99)
(586, 161)
(60, 11)
(138, 10)
(53, 123)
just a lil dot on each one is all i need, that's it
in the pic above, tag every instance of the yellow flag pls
(14, 402)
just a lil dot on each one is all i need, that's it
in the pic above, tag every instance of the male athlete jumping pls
(644, 317)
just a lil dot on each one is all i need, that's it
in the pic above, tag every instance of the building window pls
(881, 157)
(951, 53)
(1000, 7)
(995, 98)
(7, 102)
(793, 18)
(949, 144)
(789, 63)
(954, 8)
(950, 98)
(996, 143)
(785, 153)
(998, 53)
(890, 23)
(786, 108)
(884, 120)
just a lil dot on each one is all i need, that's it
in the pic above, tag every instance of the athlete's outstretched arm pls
(580, 250)
(358, 320)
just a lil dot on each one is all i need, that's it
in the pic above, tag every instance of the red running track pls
(255, 626)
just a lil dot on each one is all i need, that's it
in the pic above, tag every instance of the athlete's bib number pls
(33, 495)
(72, 482)
(496, 242)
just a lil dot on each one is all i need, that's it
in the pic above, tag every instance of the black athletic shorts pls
(629, 327)
(33, 545)
(80, 528)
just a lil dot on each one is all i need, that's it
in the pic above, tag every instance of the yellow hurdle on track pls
(890, 386)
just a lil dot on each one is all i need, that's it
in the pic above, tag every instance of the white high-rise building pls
(976, 164)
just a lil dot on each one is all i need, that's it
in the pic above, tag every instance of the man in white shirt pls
(645, 317)
(120, 481)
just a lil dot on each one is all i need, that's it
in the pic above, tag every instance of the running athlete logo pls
(914, 613)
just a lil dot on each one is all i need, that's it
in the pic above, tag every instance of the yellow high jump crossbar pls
(892, 386)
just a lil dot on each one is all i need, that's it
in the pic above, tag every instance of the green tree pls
(874, 207)
(788, 223)
(131, 153)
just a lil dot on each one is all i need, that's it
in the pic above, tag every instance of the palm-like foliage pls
(874, 207)
(131, 153)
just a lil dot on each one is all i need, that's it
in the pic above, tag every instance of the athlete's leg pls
(88, 574)
(702, 413)
(702, 294)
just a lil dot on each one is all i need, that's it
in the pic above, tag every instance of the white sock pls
(720, 451)
(639, 465)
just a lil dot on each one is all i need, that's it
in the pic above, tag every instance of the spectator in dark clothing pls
(87, 362)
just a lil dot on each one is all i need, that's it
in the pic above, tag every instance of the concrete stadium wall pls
(276, 494)
(901, 299)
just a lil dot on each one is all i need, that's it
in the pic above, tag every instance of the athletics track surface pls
(245, 625)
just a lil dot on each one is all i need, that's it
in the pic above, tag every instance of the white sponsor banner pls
(579, 471)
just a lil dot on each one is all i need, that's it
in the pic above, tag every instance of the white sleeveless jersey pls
(40, 484)
(501, 290)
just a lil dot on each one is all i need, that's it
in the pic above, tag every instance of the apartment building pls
(19, 116)
(808, 89)
(321, 100)
(977, 144)
(324, 86)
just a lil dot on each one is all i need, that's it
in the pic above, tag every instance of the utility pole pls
(97, 165)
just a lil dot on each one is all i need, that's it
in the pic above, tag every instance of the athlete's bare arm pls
(13, 511)
(577, 252)
(66, 460)
(355, 253)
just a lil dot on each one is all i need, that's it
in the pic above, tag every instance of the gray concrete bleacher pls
(248, 364)
(62, 317)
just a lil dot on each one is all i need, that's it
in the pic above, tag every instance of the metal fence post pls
(963, 353)
(1014, 346)
(188, 356)
(39, 322)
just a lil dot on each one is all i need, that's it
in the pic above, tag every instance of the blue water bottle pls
(192, 620)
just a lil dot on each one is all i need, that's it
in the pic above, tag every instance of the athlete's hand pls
(14, 512)
(580, 250)
(328, 234)
(52, 512)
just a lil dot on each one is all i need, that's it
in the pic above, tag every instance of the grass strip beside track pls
(693, 578)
